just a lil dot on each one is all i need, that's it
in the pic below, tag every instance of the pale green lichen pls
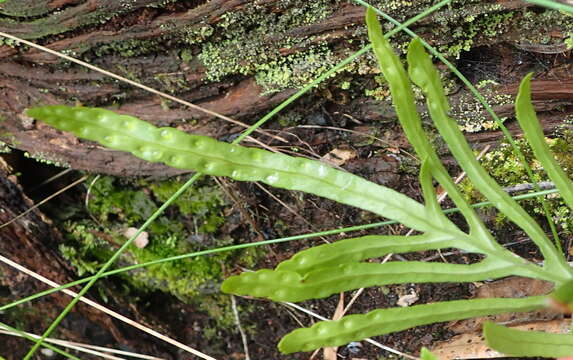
(550, 20)
(464, 24)
(273, 73)
(4, 148)
(400, 9)
(379, 93)
(294, 71)
(127, 48)
(569, 41)
(49, 159)
(485, 83)
(505, 167)
(242, 45)
(470, 114)
(196, 34)
(472, 26)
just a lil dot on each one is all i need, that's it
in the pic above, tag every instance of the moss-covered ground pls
(191, 224)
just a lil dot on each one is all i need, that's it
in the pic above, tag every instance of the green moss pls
(289, 118)
(202, 203)
(8, 42)
(88, 257)
(191, 224)
(174, 83)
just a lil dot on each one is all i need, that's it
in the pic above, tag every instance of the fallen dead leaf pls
(511, 287)
(514, 286)
(408, 299)
(472, 345)
(339, 157)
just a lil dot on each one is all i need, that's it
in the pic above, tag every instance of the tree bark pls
(229, 56)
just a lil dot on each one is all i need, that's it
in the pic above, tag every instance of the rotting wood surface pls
(105, 32)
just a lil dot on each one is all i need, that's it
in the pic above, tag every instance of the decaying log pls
(241, 58)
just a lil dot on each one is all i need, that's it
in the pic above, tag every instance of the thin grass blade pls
(553, 5)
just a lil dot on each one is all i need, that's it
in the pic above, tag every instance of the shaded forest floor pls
(88, 222)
